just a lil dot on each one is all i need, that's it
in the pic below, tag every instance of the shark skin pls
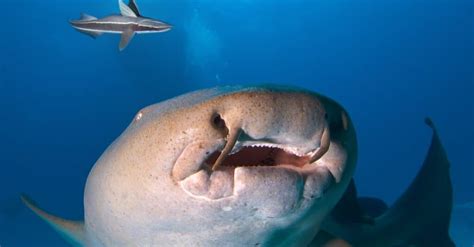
(226, 166)
(128, 23)
(419, 218)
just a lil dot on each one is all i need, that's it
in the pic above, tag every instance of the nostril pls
(217, 121)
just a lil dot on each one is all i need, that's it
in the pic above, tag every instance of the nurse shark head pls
(223, 166)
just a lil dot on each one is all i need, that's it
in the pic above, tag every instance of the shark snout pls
(260, 145)
(164, 27)
(167, 26)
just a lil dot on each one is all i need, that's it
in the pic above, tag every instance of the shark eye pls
(138, 116)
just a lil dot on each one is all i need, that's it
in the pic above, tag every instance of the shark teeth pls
(197, 178)
(286, 148)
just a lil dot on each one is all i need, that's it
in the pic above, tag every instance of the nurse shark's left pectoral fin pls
(71, 231)
(125, 39)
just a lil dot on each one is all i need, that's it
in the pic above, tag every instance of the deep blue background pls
(65, 97)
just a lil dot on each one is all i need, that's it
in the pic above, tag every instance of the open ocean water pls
(64, 97)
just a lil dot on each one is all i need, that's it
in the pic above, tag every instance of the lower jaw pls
(284, 182)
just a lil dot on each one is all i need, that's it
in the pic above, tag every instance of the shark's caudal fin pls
(420, 217)
(71, 231)
(429, 198)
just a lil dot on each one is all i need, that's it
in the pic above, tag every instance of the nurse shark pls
(227, 166)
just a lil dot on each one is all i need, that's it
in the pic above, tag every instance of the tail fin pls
(431, 195)
(71, 231)
(420, 217)
(424, 209)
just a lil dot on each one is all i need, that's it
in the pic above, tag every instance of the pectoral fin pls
(93, 34)
(72, 231)
(125, 39)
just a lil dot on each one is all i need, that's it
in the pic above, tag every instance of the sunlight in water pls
(203, 48)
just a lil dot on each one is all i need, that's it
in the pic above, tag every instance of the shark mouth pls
(200, 178)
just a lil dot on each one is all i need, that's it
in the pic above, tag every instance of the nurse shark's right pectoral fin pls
(71, 231)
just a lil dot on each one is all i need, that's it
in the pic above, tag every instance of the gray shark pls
(128, 23)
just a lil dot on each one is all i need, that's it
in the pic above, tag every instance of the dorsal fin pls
(134, 7)
(86, 17)
(125, 10)
(71, 231)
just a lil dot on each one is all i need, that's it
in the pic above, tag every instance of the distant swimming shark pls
(127, 24)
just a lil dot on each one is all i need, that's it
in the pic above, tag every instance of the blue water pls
(65, 97)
